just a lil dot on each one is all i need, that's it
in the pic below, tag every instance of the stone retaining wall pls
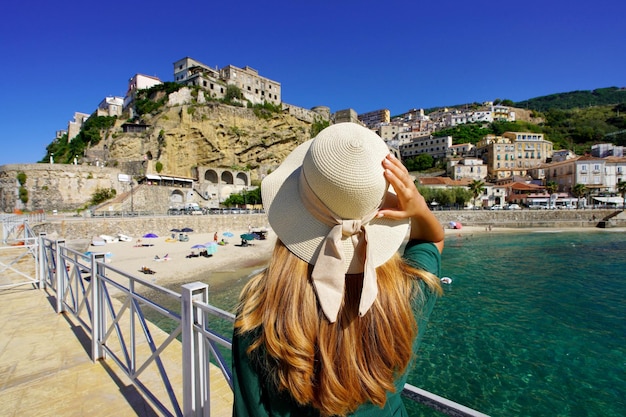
(81, 228)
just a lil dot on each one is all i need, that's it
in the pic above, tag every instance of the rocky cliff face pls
(184, 136)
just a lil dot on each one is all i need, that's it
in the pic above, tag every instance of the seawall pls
(86, 228)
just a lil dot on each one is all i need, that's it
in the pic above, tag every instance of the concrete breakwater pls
(86, 228)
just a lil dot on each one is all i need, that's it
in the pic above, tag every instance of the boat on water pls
(446, 280)
(97, 241)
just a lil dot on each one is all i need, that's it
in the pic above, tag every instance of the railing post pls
(98, 322)
(59, 276)
(195, 373)
(41, 264)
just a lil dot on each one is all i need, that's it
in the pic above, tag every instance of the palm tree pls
(621, 188)
(476, 187)
(552, 187)
(578, 191)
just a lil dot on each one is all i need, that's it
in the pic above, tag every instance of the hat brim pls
(303, 234)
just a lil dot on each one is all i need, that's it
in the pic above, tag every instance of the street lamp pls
(132, 207)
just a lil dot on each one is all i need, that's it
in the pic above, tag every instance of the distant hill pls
(576, 99)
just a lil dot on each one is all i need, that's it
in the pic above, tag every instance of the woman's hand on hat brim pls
(410, 204)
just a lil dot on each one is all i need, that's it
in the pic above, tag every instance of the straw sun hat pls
(321, 203)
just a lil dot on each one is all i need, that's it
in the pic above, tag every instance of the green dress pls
(253, 397)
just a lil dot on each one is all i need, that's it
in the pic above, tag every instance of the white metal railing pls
(111, 306)
(18, 254)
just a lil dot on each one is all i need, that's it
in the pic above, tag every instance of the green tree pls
(578, 191)
(421, 162)
(461, 196)
(318, 125)
(23, 194)
(476, 188)
(102, 195)
(21, 178)
(158, 166)
(233, 95)
(552, 187)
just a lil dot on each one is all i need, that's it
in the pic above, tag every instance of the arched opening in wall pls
(227, 177)
(177, 197)
(242, 179)
(211, 176)
(149, 156)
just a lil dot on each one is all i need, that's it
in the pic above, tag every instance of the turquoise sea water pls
(533, 324)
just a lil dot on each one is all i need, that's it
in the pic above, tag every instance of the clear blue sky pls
(62, 57)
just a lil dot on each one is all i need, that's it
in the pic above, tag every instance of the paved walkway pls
(46, 370)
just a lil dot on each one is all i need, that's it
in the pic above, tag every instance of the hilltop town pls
(212, 133)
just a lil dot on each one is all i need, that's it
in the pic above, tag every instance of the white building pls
(437, 147)
(472, 168)
(136, 83)
(74, 126)
(254, 87)
(111, 106)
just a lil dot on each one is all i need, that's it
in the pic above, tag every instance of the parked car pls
(496, 207)
(513, 207)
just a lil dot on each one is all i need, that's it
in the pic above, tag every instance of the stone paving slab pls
(46, 370)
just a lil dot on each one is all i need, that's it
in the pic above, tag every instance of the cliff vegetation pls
(177, 129)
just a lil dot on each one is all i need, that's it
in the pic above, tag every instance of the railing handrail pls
(198, 340)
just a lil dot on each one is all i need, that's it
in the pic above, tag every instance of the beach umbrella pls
(175, 230)
(187, 230)
(248, 236)
(452, 225)
(198, 246)
(228, 234)
(458, 225)
(211, 248)
(150, 236)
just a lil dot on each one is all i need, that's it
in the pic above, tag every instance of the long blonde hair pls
(335, 367)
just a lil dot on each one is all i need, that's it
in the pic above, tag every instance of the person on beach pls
(332, 326)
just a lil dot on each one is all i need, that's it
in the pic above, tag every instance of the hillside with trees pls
(574, 121)
(610, 96)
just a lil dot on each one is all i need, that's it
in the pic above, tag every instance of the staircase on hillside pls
(117, 203)
(617, 218)
(199, 193)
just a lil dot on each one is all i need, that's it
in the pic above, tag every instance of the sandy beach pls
(168, 259)
(173, 266)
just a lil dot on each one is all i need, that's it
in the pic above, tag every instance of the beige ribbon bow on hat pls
(329, 270)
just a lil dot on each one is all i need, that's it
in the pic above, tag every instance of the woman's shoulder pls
(423, 255)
